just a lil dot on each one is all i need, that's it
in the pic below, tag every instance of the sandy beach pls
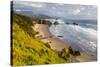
(57, 44)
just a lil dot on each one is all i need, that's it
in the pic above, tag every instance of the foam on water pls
(78, 36)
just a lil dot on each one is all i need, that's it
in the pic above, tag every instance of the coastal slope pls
(28, 50)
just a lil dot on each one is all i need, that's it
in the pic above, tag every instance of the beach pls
(57, 44)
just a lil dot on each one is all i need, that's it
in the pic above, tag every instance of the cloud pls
(61, 4)
(59, 10)
(37, 5)
(18, 10)
(77, 11)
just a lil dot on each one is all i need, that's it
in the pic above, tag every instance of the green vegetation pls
(41, 21)
(28, 50)
(73, 52)
(65, 53)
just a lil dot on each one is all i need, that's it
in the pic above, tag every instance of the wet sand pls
(57, 44)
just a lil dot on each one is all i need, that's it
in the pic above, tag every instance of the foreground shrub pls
(47, 45)
(72, 52)
(65, 53)
(76, 53)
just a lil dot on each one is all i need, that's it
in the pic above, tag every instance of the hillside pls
(28, 50)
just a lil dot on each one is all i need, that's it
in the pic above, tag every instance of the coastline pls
(46, 36)
(57, 44)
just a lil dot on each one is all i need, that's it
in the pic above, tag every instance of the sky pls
(66, 11)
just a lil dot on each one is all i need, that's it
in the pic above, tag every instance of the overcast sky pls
(68, 11)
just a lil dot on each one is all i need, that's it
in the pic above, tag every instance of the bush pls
(76, 53)
(70, 50)
(36, 33)
(47, 45)
(44, 22)
(65, 53)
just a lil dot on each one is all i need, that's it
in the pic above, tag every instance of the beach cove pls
(57, 44)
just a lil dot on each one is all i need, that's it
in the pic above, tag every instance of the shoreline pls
(57, 44)
(46, 37)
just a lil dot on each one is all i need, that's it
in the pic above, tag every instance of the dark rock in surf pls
(67, 23)
(74, 23)
(60, 36)
(56, 23)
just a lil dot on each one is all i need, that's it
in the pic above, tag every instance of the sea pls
(82, 37)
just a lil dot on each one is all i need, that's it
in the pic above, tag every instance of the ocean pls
(82, 37)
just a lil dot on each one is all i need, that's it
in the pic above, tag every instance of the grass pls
(28, 50)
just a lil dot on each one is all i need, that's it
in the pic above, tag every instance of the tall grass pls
(28, 50)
